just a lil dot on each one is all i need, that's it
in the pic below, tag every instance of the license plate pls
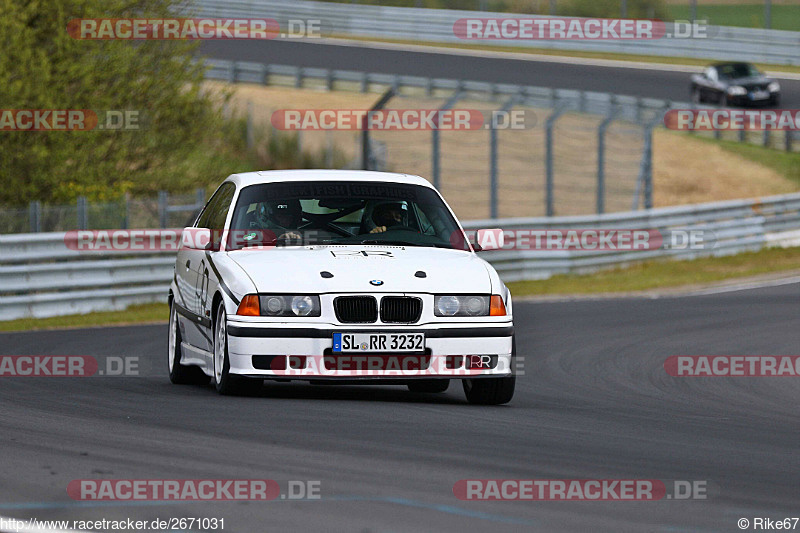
(760, 95)
(378, 342)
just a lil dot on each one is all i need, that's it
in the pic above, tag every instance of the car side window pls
(213, 216)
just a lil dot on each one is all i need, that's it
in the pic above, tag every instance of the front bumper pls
(292, 351)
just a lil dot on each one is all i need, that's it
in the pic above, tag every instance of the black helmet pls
(386, 214)
(289, 211)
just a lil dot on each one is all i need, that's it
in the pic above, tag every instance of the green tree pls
(42, 67)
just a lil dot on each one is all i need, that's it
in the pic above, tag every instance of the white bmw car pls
(351, 276)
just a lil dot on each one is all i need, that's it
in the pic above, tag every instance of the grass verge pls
(665, 274)
(785, 163)
(135, 314)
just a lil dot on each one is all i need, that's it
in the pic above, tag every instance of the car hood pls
(297, 269)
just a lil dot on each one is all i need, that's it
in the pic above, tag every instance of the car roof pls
(275, 176)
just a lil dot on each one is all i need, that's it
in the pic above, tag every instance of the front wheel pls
(489, 391)
(225, 382)
(492, 391)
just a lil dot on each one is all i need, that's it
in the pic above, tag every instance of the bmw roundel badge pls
(376, 282)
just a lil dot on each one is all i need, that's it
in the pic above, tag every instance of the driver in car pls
(283, 215)
(389, 214)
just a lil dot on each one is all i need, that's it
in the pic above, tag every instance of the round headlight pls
(302, 305)
(448, 305)
(476, 306)
(274, 305)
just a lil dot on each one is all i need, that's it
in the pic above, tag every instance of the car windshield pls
(737, 70)
(342, 212)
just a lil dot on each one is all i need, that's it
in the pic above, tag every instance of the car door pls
(194, 263)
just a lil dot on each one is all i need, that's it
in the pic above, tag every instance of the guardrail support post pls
(329, 79)
(364, 82)
(265, 74)
(83, 215)
(35, 215)
(232, 73)
(549, 170)
(436, 155)
(200, 197)
(163, 200)
(365, 151)
(767, 137)
(788, 140)
(298, 79)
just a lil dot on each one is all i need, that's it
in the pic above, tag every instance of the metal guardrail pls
(436, 25)
(40, 276)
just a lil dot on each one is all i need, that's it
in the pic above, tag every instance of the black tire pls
(226, 383)
(492, 391)
(180, 374)
(697, 96)
(429, 385)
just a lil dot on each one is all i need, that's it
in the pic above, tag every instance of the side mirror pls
(197, 238)
(489, 239)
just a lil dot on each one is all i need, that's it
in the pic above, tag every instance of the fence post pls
(83, 215)
(549, 125)
(788, 140)
(251, 138)
(163, 198)
(766, 138)
(126, 220)
(436, 168)
(35, 215)
(645, 179)
(365, 152)
(493, 177)
(601, 159)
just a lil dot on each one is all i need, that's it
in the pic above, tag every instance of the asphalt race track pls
(594, 403)
(651, 83)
